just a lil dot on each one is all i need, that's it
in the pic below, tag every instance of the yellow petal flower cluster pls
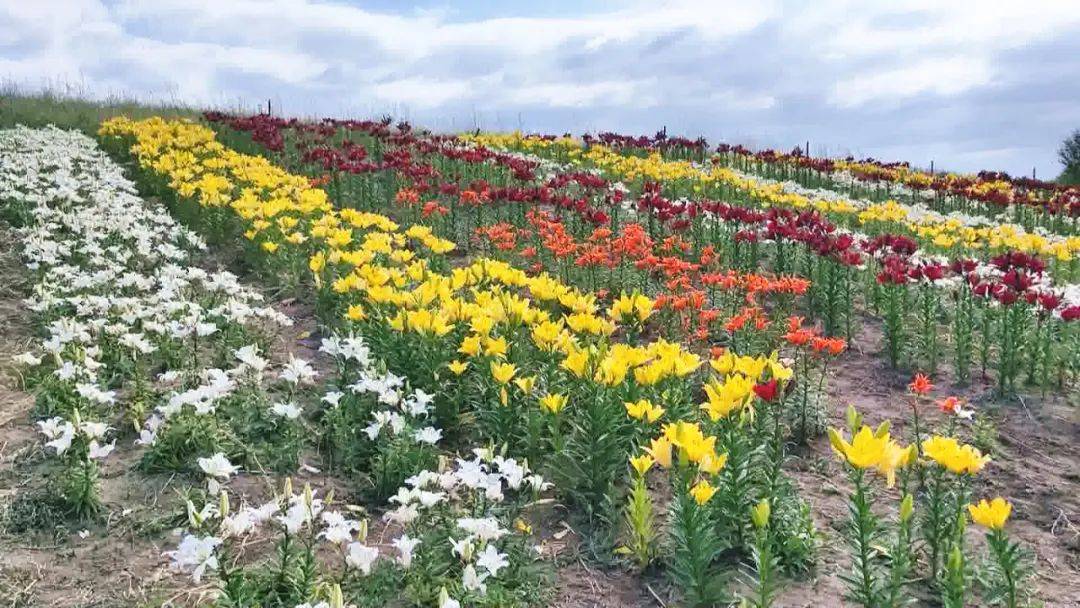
(732, 388)
(991, 515)
(693, 445)
(518, 140)
(727, 396)
(502, 372)
(872, 449)
(954, 456)
(642, 464)
(631, 307)
(702, 492)
(553, 403)
(649, 364)
(643, 409)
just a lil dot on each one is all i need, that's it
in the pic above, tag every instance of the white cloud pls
(422, 92)
(771, 68)
(967, 26)
(943, 77)
(741, 100)
(569, 95)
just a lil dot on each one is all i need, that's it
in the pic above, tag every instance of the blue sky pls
(968, 84)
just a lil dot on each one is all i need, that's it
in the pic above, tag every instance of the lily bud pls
(956, 559)
(309, 498)
(907, 508)
(337, 599)
(193, 516)
(882, 429)
(759, 514)
(854, 419)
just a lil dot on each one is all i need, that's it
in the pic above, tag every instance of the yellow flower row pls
(368, 260)
(367, 256)
(277, 206)
(519, 141)
(945, 234)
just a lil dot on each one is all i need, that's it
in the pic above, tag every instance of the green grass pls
(69, 110)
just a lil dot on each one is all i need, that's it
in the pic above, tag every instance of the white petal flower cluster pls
(486, 480)
(197, 554)
(402, 411)
(115, 282)
(60, 434)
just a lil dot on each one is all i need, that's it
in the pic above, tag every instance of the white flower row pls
(115, 283)
(485, 479)
(112, 263)
(114, 280)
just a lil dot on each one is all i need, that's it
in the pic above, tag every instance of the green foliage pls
(69, 108)
(342, 433)
(901, 558)
(79, 488)
(184, 439)
(641, 530)
(938, 524)
(738, 486)
(397, 459)
(694, 547)
(984, 434)
(1069, 155)
(963, 327)
(1004, 574)
(793, 537)
(954, 583)
(896, 336)
(864, 581)
(34, 512)
(763, 568)
(594, 456)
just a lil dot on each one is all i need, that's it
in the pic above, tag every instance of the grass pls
(67, 108)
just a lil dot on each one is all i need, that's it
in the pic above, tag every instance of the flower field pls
(271, 362)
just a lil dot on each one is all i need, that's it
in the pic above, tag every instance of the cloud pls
(422, 92)
(594, 94)
(969, 84)
(943, 78)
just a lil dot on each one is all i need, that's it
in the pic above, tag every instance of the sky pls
(970, 85)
